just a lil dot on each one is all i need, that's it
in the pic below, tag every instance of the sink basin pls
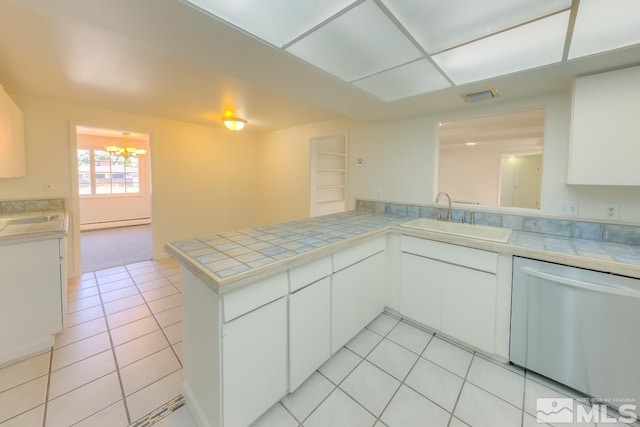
(30, 219)
(484, 232)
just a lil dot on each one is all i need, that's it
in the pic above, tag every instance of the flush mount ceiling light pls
(234, 123)
(470, 144)
(125, 151)
(395, 49)
(485, 95)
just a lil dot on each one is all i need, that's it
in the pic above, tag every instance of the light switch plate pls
(569, 208)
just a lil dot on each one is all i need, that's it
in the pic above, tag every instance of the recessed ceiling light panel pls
(405, 81)
(275, 21)
(442, 24)
(605, 25)
(529, 46)
(359, 43)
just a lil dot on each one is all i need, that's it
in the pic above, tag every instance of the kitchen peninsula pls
(263, 308)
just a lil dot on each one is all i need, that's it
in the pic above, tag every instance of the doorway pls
(114, 197)
(520, 181)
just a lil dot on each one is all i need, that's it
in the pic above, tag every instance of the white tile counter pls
(226, 260)
(16, 231)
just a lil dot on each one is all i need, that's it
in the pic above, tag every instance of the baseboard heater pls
(114, 224)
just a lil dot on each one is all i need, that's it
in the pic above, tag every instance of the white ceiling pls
(522, 129)
(166, 58)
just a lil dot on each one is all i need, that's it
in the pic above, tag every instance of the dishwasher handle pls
(625, 292)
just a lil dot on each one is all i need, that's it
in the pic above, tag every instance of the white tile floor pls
(394, 374)
(120, 358)
(117, 359)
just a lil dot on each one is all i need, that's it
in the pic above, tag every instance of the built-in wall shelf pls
(331, 153)
(328, 174)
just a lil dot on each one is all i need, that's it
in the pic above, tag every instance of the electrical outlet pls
(236, 194)
(378, 194)
(569, 208)
(611, 211)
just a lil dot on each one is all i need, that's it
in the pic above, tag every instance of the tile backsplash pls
(19, 206)
(579, 229)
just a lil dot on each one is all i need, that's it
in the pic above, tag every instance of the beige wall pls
(196, 169)
(96, 209)
(400, 163)
(285, 168)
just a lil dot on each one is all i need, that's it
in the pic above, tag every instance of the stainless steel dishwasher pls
(578, 327)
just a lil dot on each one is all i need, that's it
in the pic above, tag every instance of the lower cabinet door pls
(254, 364)
(469, 306)
(309, 330)
(346, 305)
(421, 290)
(375, 289)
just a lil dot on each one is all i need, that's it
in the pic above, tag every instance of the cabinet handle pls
(625, 292)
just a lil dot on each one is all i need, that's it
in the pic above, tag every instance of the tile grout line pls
(337, 386)
(46, 396)
(153, 314)
(379, 418)
(115, 359)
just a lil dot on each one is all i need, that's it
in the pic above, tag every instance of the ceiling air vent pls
(480, 96)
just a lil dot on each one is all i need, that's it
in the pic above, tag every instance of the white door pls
(526, 193)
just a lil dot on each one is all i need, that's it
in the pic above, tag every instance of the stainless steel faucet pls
(449, 199)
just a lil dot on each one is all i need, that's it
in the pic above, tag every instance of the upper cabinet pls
(605, 129)
(12, 153)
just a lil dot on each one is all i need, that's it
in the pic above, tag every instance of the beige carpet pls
(116, 246)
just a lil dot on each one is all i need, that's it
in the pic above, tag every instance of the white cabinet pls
(254, 349)
(358, 270)
(346, 305)
(469, 306)
(31, 297)
(309, 319)
(375, 285)
(12, 151)
(309, 330)
(605, 125)
(421, 290)
(451, 289)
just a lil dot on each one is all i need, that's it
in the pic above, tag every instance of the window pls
(99, 173)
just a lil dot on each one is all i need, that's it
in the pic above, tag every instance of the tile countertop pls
(228, 260)
(19, 233)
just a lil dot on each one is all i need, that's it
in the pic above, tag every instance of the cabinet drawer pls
(349, 256)
(242, 300)
(304, 275)
(453, 254)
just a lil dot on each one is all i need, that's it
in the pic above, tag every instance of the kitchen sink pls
(474, 231)
(28, 219)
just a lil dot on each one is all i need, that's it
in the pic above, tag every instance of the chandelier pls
(125, 151)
